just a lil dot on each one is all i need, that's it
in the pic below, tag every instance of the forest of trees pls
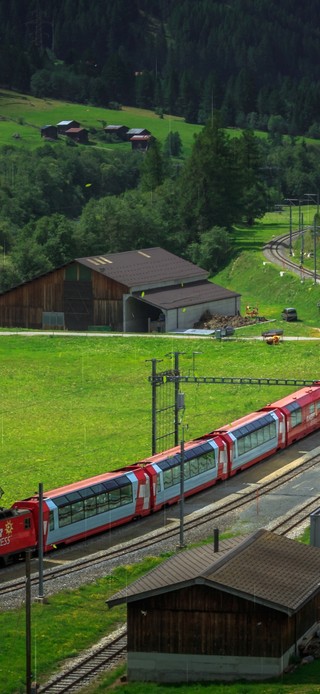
(220, 63)
(256, 62)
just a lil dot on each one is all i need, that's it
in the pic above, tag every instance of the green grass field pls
(27, 114)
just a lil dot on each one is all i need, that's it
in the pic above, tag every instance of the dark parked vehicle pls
(289, 314)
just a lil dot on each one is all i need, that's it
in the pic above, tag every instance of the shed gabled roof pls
(144, 267)
(190, 294)
(266, 568)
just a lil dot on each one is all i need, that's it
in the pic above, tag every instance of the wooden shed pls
(64, 125)
(239, 613)
(141, 142)
(123, 291)
(49, 132)
(120, 131)
(77, 134)
(137, 132)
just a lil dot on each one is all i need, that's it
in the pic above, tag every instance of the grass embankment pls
(271, 287)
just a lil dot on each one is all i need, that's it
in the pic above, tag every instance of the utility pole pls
(28, 622)
(40, 543)
(182, 545)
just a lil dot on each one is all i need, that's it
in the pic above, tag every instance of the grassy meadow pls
(25, 115)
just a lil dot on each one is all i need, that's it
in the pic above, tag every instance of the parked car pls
(289, 314)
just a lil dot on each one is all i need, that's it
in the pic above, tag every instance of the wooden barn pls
(141, 142)
(119, 131)
(239, 613)
(137, 132)
(64, 125)
(78, 135)
(126, 292)
(49, 132)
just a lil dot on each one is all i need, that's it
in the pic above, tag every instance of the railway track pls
(210, 514)
(278, 251)
(103, 657)
(106, 656)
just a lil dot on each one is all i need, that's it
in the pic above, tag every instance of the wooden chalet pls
(141, 142)
(64, 125)
(119, 131)
(137, 132)
(125, 292)
(239, 613)
(49, 132)
(77, 134)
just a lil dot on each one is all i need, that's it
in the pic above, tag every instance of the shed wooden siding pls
(23, 306)
(108, 301)
(201, 620)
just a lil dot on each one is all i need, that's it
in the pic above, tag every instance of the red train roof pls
(302, 397)
(91, 481)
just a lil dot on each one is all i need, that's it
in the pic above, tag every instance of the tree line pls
(255, 62)
(58, 203)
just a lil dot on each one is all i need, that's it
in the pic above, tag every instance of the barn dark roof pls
(143, 267)
(138, 131)
(190, 294)
(271, 570)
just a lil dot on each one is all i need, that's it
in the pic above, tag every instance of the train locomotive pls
(79, 510)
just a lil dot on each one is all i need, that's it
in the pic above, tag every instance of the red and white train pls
(97, 504)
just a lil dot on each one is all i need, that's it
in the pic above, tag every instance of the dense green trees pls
(58, 203)
(188, 58)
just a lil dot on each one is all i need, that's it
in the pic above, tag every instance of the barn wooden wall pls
(200, 620)
(94, 302)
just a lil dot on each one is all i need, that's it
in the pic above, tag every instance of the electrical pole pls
(182, 545)
(28, 622)
(40, 544)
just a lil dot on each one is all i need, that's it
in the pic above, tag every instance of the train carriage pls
(205, 462)
(85, 508)
(301, 411)
(253, 438)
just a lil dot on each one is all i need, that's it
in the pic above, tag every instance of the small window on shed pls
(84, 273)
(70, 273)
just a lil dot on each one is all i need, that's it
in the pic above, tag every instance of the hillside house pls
(126, 291)
(78, 135)
(66, 125)
(119, 131)
(238, 613)
(133, 132)
(49, 132)
(141, 142)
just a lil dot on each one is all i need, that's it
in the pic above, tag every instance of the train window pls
(64, 515)
(256, 438)
(194, 468)
(203, 461)
(176, 474)
(126, 495)
(90, 507)
(311, 408)
(77, 511)
(158, 484)
(102, 502)
(51, 520)
(296, 418)
(318, 406)
(167, 478)
(27, 523)
(114, 498)
(187, 471)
